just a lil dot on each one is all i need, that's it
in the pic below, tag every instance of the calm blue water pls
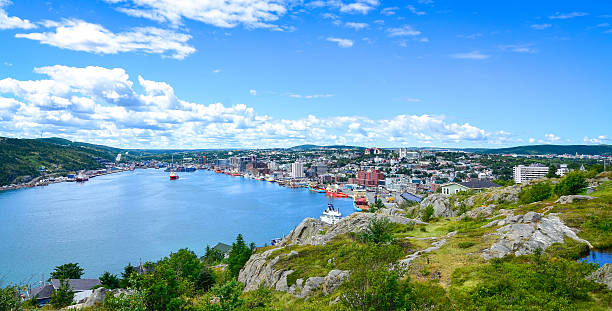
(599, 257)
(112, 220)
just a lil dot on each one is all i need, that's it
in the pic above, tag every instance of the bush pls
(62, 296)
(205, 280)
(427, 213)
(536, 192)
(109, 281)
(572, 183)
(466, 244)
(123, 302)
(67, 271)
(9, 298)
(378, 231)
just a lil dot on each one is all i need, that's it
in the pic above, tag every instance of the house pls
(82, 288)
(477, 185)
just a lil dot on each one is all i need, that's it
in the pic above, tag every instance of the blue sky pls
(269, 73)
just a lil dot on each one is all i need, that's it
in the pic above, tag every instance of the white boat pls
(331, 215)
(81, 177)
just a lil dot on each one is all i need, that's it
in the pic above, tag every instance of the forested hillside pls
(21, 159)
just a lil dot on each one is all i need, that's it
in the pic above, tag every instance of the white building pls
(524, 173)
(297, 170)
(562, 170)
(404, 153)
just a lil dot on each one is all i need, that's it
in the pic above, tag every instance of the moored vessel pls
(331, 215)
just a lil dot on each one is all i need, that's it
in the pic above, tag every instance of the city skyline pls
(280, 73)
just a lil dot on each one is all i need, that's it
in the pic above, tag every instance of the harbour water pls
(116, 219)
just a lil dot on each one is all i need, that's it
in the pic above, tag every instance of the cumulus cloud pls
(403, 31)
(343, 43)
(414, 10)
(313, 96)
(550, 139)
(102, 105)
(601, 139)
(78, 35)
(227, 13)
(12, 22)
(253, 92)
(357, 26)
(475, 55)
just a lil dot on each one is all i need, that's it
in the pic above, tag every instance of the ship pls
(331, 215)
(360, 204)
(82, 177)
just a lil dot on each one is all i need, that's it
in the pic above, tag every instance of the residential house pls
(477, 185)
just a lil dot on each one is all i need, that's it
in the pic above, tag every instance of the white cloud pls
(549, 139)
(357, 26)
(216, 71)
(518, 48)
(12, 22)
(253, 92)
(475, 55)
(226, 13)
(406, 30)
(601, 139)
(357, 6)
(343, 43)
(78, 35)
(532, 140)
(560, 15)
(414, 11)
(389, 11)
(101, 105)
(541, 26)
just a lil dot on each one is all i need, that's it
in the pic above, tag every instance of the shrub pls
(536, 192)
(9, 298)
(62, 296)
(205, 280)
(572, 183)
(466, 244)
(378, 231)
(67, 271)
(123, 302)
(427, 213)
(109, 281)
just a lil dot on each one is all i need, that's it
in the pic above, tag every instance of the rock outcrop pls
(441, 205)
(97, 297)
(566, 199)
(333, 280)
(483, 211)
(602, 275)
(314, 232)
(523, 234)
(259, 270)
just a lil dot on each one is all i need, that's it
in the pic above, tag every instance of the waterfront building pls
(477, 185)
(369, 178)
(297, 170)
(221, 163)
(524, 173)
(404, 153)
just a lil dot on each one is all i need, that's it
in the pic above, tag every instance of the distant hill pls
(317, 147)
(20, 158)
(551, 149)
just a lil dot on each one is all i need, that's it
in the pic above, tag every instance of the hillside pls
(551, 149)
(20, 158)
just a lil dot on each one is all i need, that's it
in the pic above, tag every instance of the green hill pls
(22, 158)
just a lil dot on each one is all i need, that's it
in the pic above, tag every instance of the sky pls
(280, 73)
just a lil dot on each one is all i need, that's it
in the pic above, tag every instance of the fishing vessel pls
(82, 177)
(331, 215)
(174, 176)
(360, 204)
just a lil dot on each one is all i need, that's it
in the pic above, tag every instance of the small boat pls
(331, 215)
(81, 177)
(360, 204)
(174, 176)
(316, 189)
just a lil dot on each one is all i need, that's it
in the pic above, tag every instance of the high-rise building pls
(297, 170)
(524, 173)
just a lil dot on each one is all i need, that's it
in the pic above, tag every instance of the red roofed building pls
(369, 178)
